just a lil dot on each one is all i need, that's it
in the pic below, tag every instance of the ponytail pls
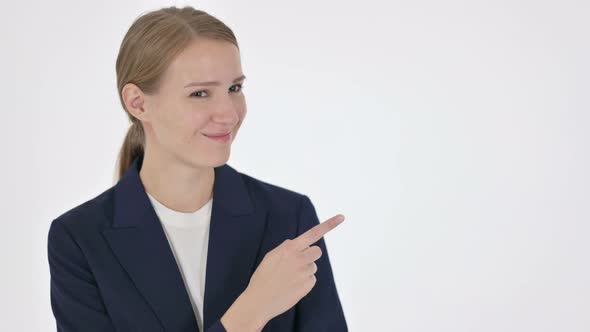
(133, 146)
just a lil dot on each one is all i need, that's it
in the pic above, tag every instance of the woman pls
(135, 257)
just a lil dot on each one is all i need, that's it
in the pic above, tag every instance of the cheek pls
(242, 112)
(177, 126)
(192, 127)
(164, 127)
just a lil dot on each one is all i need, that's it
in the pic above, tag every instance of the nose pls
(226, 112)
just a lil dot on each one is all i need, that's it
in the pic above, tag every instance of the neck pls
(177, 186)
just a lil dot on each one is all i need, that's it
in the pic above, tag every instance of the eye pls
(196, 93)
(199, 95)
(240, 87)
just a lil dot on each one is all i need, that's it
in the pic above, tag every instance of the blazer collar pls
(140, 244)
(132, 202)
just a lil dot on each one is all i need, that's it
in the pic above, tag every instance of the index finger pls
(315, 233)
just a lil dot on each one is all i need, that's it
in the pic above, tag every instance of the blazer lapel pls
(140, 244)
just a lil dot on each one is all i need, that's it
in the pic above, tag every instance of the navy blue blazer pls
(112, 268)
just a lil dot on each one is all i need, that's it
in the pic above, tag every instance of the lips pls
(217, 134)
(224, 139)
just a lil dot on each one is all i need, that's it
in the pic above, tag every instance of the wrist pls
(244, 315)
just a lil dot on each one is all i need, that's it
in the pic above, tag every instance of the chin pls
(219, 163)
(212, 161)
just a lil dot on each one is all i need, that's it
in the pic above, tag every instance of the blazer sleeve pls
(320, 309)
(216, 327)
(75, 299)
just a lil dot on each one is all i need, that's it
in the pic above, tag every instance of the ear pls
(134, 100)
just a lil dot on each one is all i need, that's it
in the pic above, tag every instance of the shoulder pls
(96, 213)
(282, 207)
(91, 215)
(271, 194)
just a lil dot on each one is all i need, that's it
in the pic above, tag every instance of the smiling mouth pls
(217, 135)
(220, 138)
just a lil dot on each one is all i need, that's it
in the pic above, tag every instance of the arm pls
(75, 299)
(320, 309)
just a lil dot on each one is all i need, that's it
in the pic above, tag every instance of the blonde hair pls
(150, 44)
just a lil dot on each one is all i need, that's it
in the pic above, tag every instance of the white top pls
(188, 236)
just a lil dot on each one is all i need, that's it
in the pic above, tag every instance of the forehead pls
(205, 59)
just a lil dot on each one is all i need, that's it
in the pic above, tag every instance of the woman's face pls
(187, 108)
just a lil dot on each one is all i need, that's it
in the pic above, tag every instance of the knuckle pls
(316, 233)
(315, 252)
(310, 281)
(314, 268)
(288, 244)
(317, 249)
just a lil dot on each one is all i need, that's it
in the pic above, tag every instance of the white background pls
(453, 135)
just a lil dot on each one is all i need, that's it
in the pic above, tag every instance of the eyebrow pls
(209, 83)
